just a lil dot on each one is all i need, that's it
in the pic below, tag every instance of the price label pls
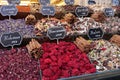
(81, 11)
(91, 2)
(95, 33)
(109, 12)
(44, 2)
(11, 39)
(69, 2)
(56, 33)
(8, 10)
(48, 10)
(13, 1)
(116, 2)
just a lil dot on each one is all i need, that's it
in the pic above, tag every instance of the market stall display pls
(57, 40)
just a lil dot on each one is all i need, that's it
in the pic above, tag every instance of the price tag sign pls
(69, 2)
(91, 2)
(11, 39)
(109, 12)
(44, 2)
(95, 33)
(56, 33)
(81, 11)
(8, 10)
(48, 10)
(13, 1)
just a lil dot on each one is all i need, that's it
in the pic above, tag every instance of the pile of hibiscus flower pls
(63, 60)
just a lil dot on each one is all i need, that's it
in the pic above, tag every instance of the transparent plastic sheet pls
(95, 76)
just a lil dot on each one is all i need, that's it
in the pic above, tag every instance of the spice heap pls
(105, 55)
(18, 25)
(82, 44)
(63, 60)
(34, 49)
(110, 25)
(44, 24)
(16, 64)
(113, 24)
(82, 25)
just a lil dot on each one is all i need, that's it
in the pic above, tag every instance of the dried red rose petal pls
(47, 61)
(47, 72)
(64, 60)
